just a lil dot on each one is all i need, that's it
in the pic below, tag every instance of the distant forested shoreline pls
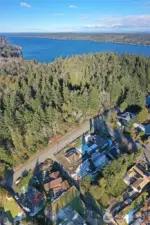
(135, 39)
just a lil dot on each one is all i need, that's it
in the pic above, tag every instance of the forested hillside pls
(38, 101)
(9, 51)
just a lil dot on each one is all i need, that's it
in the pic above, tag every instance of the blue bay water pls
(47, 50)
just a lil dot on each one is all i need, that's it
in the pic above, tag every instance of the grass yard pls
(119, 188)
(23, 183)
(94, 202)
(77, 204)
(71, 197)
(12, 207)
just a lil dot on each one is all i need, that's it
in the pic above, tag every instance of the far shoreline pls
(69, 39)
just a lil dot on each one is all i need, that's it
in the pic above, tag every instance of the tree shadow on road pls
(9, 177)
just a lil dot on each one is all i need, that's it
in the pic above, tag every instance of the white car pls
(16, 197)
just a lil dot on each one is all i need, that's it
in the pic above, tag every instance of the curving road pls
(42, 156)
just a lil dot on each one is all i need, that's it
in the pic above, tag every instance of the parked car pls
(16, 197)
(128, 201)
(18, 180)
(25, 173)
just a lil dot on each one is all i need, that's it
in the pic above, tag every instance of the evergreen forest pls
(39, 101)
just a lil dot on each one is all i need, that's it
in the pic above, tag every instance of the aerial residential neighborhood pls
(74, 129)
(55, 189)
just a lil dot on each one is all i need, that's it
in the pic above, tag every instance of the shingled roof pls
(54, 183)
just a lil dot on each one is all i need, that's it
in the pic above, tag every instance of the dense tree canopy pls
(110, 184)
(38, 100)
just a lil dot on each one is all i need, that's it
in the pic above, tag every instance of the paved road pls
(42, 156)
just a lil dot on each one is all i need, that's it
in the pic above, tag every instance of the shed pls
(52, 184)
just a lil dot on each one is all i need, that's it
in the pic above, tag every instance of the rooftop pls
(71, 151)
(147, 129)
(73, 157)
(56, 190)
(38, 198)
(113, 152)
(65, 185)
(54, 175)
(90, 149)
(52, 184)
(68, 216)
(138, 221)
(99, 160)
(137, 183)
(129, 217)
(137, 178)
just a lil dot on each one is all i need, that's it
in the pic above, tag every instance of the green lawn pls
(23, 183)
(119, 188)
(77, 204)
(93, 202)
(12, 207)
(71, 197)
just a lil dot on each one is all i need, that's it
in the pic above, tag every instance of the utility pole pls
(57, 146)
